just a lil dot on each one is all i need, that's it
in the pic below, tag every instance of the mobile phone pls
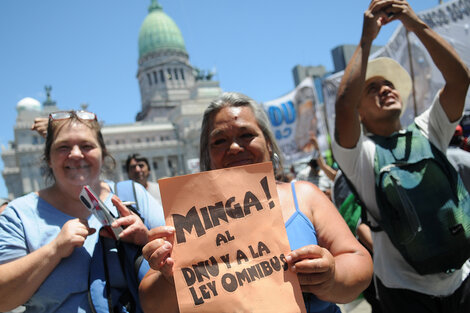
(99, 210)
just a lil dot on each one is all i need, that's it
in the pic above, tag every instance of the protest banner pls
(293, 118)
(230, 242)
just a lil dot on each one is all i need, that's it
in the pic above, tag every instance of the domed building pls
(174, 95)
(21, 160)
(28, 104)
(167, 81)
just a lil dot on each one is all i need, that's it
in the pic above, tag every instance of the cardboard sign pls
(230, 242)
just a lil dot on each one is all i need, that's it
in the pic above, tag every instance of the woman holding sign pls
(52, 257)
(332, 266)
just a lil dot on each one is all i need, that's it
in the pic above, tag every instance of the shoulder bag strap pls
(106, 274)
(126, 191)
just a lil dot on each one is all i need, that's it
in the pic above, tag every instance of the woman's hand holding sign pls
(158, 251)
(315, 268)
(160, 277)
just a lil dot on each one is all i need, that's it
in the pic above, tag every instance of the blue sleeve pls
(150, 209)
(12, 236)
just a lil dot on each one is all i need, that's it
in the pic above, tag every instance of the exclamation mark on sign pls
(264, 184)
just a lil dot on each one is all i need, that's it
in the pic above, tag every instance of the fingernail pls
(170, 229)
(288, 258)
(292, 268)
(166, 246)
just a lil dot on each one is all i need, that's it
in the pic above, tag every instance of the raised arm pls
(328, 170)
(347, 123)
(452, 68)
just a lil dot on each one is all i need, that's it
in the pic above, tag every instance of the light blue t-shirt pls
(29, 223)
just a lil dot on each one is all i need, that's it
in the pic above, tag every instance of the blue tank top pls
(300, 232)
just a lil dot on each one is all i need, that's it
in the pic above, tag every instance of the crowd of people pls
(55, 256)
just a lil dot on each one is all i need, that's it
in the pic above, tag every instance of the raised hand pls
(314, 141)
(377, 15)
(40, 125)
(401, 10)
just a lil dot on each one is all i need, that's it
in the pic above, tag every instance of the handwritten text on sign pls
(230, 242)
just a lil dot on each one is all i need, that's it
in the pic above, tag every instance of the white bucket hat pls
(392, 71)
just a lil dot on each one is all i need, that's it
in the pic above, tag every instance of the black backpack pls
(101, 297)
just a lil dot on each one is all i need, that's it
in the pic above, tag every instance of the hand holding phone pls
(93, 203)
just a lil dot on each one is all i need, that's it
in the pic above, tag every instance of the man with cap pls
(371, 98)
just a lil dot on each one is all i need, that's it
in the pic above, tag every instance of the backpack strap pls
(126, 191)
(101, 297)
(100, 294)
(134, 267)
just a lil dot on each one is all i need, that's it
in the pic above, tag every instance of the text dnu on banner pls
(230, 242)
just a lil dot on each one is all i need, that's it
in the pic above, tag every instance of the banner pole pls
(410, 57)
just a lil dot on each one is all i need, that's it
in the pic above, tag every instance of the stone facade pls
(173, 97)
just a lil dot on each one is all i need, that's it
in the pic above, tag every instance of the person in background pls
(138, 170)
(459, 140)
(331, 264)
(373, 94)
(40, 126)
(318, 172)
(48, 237)
(459, 156)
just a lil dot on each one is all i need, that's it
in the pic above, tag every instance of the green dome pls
(159, 32)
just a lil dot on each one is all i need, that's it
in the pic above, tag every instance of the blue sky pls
(87, 50)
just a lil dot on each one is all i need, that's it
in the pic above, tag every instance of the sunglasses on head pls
(63, 115)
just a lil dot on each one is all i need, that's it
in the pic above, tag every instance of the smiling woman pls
(236, 139)
(241, 123)
(332, 266)
(49, 237)
(75, 146)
